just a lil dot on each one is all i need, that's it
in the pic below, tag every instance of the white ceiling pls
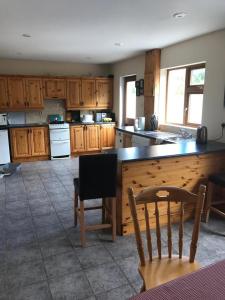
(86, 30)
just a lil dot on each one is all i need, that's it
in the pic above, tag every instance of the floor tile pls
(61, 264)
(37, 291)
(55, 246)
(105, 277)
(93, 256)
(72, 286)
(122, 293)
(25, 274)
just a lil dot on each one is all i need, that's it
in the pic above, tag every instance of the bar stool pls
(213, 181)
(97, 179)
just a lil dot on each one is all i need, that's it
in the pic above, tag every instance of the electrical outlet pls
(223, 125)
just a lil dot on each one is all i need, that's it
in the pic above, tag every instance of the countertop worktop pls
(91, 123)
(46, 124)
(162, 135)
(165, 151)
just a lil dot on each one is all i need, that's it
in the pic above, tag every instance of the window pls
(129, 100)
(185, 95)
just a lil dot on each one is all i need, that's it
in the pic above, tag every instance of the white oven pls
(59, 140)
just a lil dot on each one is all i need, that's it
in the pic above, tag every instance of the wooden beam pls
(152, 79)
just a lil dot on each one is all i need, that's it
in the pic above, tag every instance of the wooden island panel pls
(185, 171)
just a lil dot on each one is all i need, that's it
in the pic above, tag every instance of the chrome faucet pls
(184, 134)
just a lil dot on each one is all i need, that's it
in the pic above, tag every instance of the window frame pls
(188, 90)
(127, 121)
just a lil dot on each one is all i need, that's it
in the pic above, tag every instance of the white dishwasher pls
(4, 147)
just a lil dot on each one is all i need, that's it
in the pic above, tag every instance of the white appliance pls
(4, 141)
(59, 140)
(88, 118)
(119, 139)
(138, 141)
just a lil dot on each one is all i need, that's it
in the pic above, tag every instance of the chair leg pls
(82, 225)
(75, 208)
(142, 288)
(208, 203)
(103, 210)
(113, 201)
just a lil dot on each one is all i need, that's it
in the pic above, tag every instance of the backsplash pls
(50, 107)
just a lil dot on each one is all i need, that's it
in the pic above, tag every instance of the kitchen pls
(65, 76)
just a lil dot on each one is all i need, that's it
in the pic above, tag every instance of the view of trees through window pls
(185, 95)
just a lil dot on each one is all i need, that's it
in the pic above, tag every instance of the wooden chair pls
(97, 179)
(158, 270)
(214, 180)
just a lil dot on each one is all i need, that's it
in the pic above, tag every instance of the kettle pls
(153, 123)
(201, 137)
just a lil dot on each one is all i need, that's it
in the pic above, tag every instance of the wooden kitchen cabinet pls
(4, 99)
(92, 137)
(34, 94)
(73, 100)
(29, 142)
(17, 93)
(77, 138)
(88, 93)
(54, 88)
(104, 93)
(107, 136)
(39, 141)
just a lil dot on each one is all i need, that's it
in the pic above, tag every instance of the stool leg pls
(208, 203)
(75, 208)
(113, 201)
(82, 225)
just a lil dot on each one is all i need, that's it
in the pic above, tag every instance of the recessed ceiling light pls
(26, 35)
(119, 44)
(179, 15)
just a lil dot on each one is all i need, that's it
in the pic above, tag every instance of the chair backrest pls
(97, 176)
(167, 194)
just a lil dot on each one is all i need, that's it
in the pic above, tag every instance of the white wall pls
(132, 66)
(211, 49)
(31, 67)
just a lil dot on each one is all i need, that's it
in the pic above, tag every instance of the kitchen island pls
(184, 165)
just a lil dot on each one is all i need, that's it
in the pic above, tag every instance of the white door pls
(60, 148)
(59, 134)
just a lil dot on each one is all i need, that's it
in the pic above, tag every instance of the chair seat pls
(218, 179)
(162, 270)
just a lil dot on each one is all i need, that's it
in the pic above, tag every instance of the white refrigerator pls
(4, 147)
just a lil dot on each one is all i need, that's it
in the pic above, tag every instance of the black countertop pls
(27, 125)
(165, 151)
(91, 123)
(147, 134)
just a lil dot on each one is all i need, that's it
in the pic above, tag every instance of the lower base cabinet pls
(29, 143)
(86, 138)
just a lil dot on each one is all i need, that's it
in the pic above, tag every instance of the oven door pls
(59, 134)
(60, 148)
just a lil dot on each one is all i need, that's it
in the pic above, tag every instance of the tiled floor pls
(40, 253)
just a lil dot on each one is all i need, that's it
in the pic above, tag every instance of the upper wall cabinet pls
(54, 88)
(4, 99)
(16, 92)
(88, 98)
(73, 100)
(104, 93)
(34, 94)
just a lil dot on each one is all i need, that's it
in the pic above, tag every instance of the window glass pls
(130, 100)
(175, 96)
(197, 76)
(195, 108)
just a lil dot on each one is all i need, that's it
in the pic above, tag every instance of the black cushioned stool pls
(97, 179)
(213, 181)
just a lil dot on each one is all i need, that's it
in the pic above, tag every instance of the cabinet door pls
(127, 140)
(4, 100)
(34, 93)
(77, 137)
(107, 136)
(16, 91)
(39, 141)
(88, 95)
(104, 93)
(73, 93)
(54, 88)
(92, 137)
(20, 142)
